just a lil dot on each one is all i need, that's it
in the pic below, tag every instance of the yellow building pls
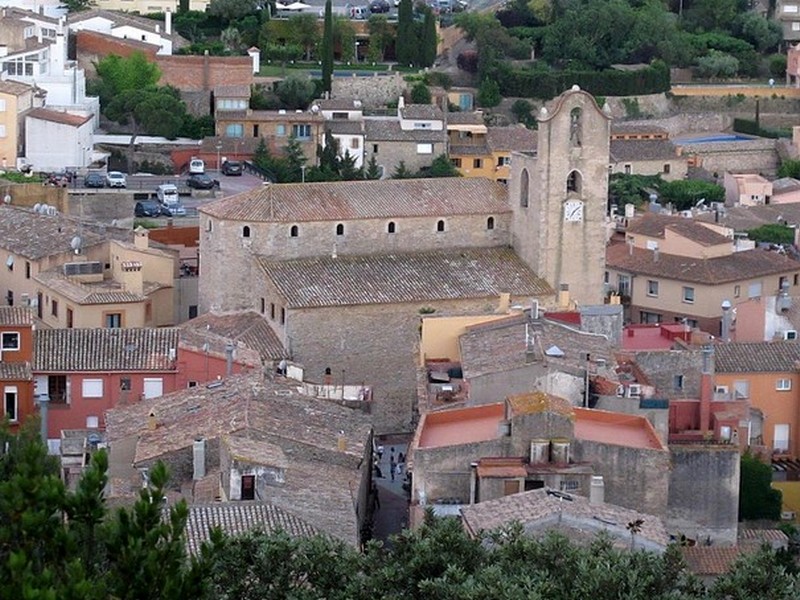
(480, 151)
(16, 100)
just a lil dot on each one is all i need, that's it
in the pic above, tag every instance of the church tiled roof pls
(396, 278)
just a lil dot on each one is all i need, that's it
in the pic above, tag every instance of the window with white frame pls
(424, 148)
(754, 290)
(10, 403)
(92, 388)
(9, 340)
(688, 294)
(780, 438)
(741, 389)
(652, 287)
(301, 131)
(2, 105)
(783, 385)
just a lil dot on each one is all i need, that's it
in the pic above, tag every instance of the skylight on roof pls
(554, 351)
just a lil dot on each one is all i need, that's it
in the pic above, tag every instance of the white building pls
(73, 132)
(128, 27)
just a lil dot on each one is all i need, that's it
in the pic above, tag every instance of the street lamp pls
(219, 148)
(303, 173)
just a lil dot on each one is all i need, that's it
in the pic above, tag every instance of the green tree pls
(74, 6)
(764, 34)
(373, 171)
(381, 34)
(717, 64)
(710, 15)
(296, 91)
(117, 75)
(429, 41)
(522, 111)
(420, 94)
(757, 498)
(406, 43)
(344, 36)
(790, 168)
(327, 49)
(304, 32)
(295, 161)
(489, 93)
(155, 111)
(442, 167)
(230, 10)
(347, 168)
(631, 189)
(231, 38)
(758, 575)
(401, 171)
(777, 66)
(774, 233)
(686, 193)
(282, 53)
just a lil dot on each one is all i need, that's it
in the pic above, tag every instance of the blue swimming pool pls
(732, 137)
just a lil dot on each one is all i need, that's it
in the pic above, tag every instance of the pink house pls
(793, 66)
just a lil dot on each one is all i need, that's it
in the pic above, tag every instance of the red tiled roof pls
(653, 225)
(55, 116)
(710, 560)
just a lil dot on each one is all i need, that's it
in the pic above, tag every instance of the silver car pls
(115, 179)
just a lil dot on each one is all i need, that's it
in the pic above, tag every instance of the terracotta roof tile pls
(54, 116)
(237, 518)
(345, 126)
(757, 357)
(426, 112)
(105, 292)
(710, 560)
(348, 200)
(62, 350)
(413, 277)
(516, 138)
(232, 91)
(622, 127)
(35, 236)
(633, 150)
(247, 328)
(15, 315)
(348, 104)
(15, 371)
(465, 118)
(540, 511)
(15, 88)
(389, 130)
(652, 225)
(738, 266)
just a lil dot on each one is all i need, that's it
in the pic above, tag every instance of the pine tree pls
(347, 168)
(327, 49)
(373, 171)
(401, 171)
(294, 162)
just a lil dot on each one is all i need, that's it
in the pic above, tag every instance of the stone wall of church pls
(227, 256)
(375, 344)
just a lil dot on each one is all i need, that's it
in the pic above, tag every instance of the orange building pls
(768, 375)
(16, 351)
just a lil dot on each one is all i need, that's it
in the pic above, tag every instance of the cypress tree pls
(429, 39)
(327, 49)
(406, 44)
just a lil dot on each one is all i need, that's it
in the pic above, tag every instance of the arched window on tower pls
(574, 182)
(523, 188)
(575, 126)
(246, 231)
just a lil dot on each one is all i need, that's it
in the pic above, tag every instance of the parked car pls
(379, 6)
(231, 167)
(201, 182)
(59, 179)
(197, 166)
(94, 180)
(115, 179)
(147, 208)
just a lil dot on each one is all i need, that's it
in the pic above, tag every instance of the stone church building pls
(343, 271)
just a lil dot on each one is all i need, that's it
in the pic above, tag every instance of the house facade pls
(16, 351)
(747, 189)
(16, 100)
(129, 26)
(671, 269)
(641, 149)
(43, 125)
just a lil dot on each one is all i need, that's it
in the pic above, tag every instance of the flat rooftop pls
(618, 429)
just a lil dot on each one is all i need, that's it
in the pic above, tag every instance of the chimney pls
(726, 321)
(44, 401)
(152, 422)
(706, 390)
(228, 359)
(655, 254)
(597, 490)
(158, 28)
(132, 277)
(341, 442)
(473, 482)
(198, 459)
(168, 22)
(141, 238)
(563, 296)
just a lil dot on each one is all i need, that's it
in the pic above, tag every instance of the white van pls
(197, 166)
(168, 194)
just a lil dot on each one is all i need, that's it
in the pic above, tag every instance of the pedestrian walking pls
(392, 466)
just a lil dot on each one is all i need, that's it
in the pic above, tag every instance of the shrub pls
(489, 93)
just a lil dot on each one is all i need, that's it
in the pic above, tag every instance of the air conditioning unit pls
(790, 334)
(634, 390)
(788, 515)
(621, 391)
(720, 389)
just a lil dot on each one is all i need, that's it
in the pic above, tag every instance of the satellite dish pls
(7, 198)
(36, 207)
(315, 109)
(52, 211)
(76, 243)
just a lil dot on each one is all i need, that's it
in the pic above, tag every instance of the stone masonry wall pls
(374, 92)
(228, 257)
(374, 344)
(660, 368)
(635, 478)
(704, 492)
(390, 154)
